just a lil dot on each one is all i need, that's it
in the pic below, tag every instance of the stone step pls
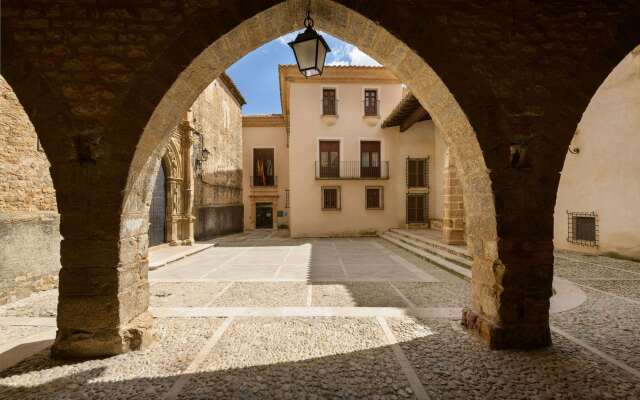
(449, 255)
(462, 271)
(459, 251)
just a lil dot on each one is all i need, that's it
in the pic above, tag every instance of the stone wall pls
(29, 221)
(217, 124)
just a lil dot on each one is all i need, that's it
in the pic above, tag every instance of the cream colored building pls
(598, 204)
(348, 175)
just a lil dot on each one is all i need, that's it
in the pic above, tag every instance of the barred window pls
(374, 197)
(329, 102)
(330, 198)
(371, 102)
(582, 228)
(417, 172)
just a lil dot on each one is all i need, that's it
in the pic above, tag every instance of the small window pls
(417, 172)
(370, 102)
(583, 228)
(374, 197)
(416, 208)
(330, 198)
(286, 198)
(329, 102)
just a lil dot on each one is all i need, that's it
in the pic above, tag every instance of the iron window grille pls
(371, 102)
(331, 198)
(583, 228)
(417, 206)
(329, 102)
(417, 171)
(374, 198)
(286, 198)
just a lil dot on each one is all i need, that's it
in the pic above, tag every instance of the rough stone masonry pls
(104, 83)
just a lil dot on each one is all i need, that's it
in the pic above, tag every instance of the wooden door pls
(329, 159)
(370, 159)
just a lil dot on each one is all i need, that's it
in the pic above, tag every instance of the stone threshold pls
(165, 254)
(200, 312)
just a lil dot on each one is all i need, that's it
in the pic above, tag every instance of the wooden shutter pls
(370, 102)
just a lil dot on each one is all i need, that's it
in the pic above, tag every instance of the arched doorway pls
(158, 209)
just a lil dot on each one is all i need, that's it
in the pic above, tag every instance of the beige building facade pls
(351, 175)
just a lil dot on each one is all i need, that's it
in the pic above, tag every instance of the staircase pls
(454, 259)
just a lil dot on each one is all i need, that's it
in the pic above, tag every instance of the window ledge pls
(371, 120)
(329, 120)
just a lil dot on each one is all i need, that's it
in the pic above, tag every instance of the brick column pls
(103, 292)
(453, 213)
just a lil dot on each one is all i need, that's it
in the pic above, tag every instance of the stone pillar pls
(187, 148)
(103, 290)
(453, 225)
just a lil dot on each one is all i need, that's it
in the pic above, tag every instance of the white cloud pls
(289, 37)
(342, 53)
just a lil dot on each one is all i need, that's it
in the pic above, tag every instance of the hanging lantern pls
(310, 50)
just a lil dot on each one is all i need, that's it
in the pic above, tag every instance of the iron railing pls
(263, 180)
(351, 170)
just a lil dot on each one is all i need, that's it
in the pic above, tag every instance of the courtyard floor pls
(269, 317)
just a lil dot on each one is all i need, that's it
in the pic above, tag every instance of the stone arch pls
(371, 38)
(511, 67)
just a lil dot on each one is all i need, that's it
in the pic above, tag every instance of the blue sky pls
(256, 74)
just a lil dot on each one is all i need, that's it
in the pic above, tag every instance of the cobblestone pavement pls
(269, 317)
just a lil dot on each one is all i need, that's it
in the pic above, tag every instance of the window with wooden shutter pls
(371, 102)
(329, 101)
(374, 197)
(370, 159)
(417, 172)
(329, 163)
(416, 208)
(330, 198)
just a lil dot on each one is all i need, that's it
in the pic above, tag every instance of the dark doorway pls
(157, 211)
(264, 216)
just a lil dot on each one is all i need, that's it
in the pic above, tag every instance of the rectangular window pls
(417, 172)
(330, 198)
(370, 102)
(286, 198)
(416, 208)
(374, 197)
(370, 159)
(329, 102)
(329, 163)
(263, 168)
(583, 228)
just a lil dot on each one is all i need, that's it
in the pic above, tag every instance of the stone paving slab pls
(356, 294)
(579, 270)
(429, 294)
(146, 374)
(12, 334)
(298, 358)
(263, 294)
(160, 256)
(40, 304)
(454, 365)
(184, 294)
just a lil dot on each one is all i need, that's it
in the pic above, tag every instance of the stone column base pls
(521, 336)
(72, 343)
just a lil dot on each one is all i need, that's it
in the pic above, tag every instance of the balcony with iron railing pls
(351, 170)
(266, 181)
